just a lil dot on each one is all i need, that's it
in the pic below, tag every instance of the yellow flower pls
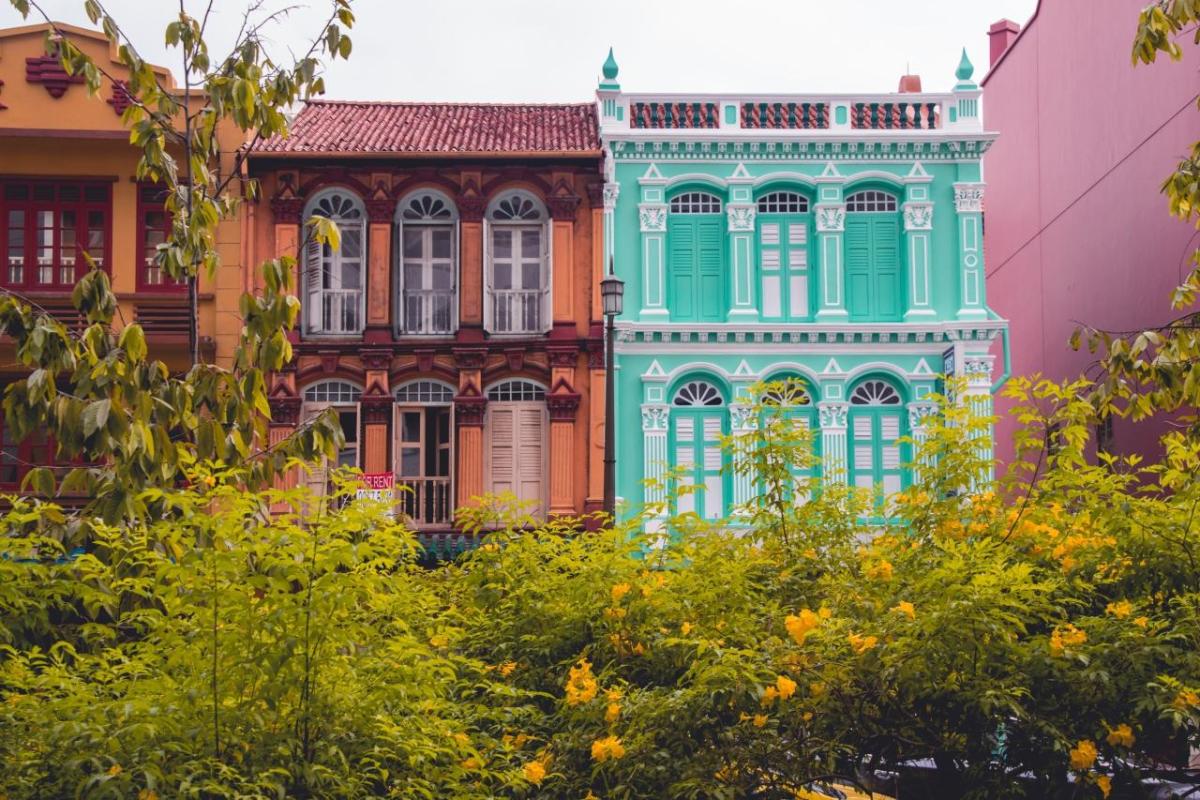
(469, 763)
(462, 738)
(799, 626)
(439, 640)
(760, 720)
(115, 770)
(786, 687)
(1083, 755)
(590, 796)
(613, 695)
(607, 748)
(1064, 637)
(507, 668)
(614, 613)
(535, 772)
(862, 644)
(1142, 622)
(1187, 698)
(581, 684)
(1120, 736)
(1104, 784)
(880, 570)
(824, 613)
(147, 794)
(905, 607)
(612, 713)
(618, 591)
(770, 694)
(685, 628)
(817, 689)
(810, 553)
(1121, 609)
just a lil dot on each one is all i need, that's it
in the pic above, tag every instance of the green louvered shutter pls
(683, 245)
(885, 248)
(857, 244)
(710, 240)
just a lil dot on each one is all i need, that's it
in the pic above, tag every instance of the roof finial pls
(610, 67)
(965, 68)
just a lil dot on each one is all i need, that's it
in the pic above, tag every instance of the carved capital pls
(469, 357)
(978, 370)
(919, 413)
(652, 217)
(563, 357)
(595, 194)
(831, 218)
(833, 415)
(287, 210)
(285, 411)
(471, 203)
(469, 410)
(562, 206)
(740, 216)
(968, 198)
(742, 417)
(562, 406)
(611, 192)
(381, 210)
(376, 409)
(655, 417)
(918, 216)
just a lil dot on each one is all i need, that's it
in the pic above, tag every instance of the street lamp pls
(612, 290)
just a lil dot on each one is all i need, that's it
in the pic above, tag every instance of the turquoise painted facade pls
(836, 239)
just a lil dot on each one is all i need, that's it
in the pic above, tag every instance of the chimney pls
(1002, 34)
(910, 84)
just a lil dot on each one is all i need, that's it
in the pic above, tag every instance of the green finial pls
(610, 67)
(965, 68)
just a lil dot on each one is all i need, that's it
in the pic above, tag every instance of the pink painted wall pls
(1076, 228)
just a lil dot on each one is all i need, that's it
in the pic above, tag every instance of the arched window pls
(789, 401)
(696, 258)
(699, 420)
(424, 451)
(343, 398)
(696, 203)
(515, 434)
(334, 280)
(874, 275)
(783, 255)
(518, 265)
(877, 423)
(428, 263)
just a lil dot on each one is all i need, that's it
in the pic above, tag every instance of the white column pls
(919, 414)
(978, 371)
(611, 192)
(918, 227)
(833, 417)
(742, 422)
(968, 204)
(831, 224)
(741, 242)
(655, 418)
(652, 218)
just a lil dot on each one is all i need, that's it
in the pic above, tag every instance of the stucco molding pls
(918, 216)
(833, 415)
(968, 198)
(920, 412)
(740, 217)
(652, 217)
(831, 218)
(655, 417)
(611, 192)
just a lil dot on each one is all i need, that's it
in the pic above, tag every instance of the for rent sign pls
(377, 486)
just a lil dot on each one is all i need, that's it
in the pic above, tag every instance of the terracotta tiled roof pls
(336, 127)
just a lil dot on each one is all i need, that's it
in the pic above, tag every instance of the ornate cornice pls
(652, 217)
(691, 334)
(924, 146)
(120, 99)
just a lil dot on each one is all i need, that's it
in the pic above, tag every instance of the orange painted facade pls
(466, 359)
(68, 185)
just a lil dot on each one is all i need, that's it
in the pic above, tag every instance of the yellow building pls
(67, 186)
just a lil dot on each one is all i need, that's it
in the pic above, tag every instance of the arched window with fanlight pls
(427, 256)
(696, 258)
(517, 273)
(342, 397)
(699, 420)
(424, 451)
(874, 276)
(515, 452)
(787, 399)
(335, 278)
(783, 221)
(877, 424)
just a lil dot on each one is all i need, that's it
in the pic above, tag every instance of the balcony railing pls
(785, 116)
(517, 310)
(428, 311)
(895, 116)
(341, 311)
(426, 501)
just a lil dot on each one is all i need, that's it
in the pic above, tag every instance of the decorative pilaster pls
(655, 420)
(833, 416)
(471, 205)
(741, 241)
(652, 219)
(563, 405)
(977, 368)
(380, 209)
(563, 203)
(469, 410)
(743, 422)
(285, 416)
(918, 228)
(831, 224)
(968, 203)
(377, 411)
(596, 383)
(919, 414)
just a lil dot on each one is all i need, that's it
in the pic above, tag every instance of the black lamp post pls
(612, 290)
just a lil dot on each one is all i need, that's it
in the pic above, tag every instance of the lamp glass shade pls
(612, 291)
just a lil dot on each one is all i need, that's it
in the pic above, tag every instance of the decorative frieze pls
(918, 216)
(48, 71)
(968, 198)
(831, 218)
(740, 216)
(652, 217)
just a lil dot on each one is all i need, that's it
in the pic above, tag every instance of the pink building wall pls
(1076, 228)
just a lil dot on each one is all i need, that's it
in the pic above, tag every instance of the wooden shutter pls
(710, 261)
(857, 245)
(313, 282)
(682, 246)
(547, 275)
(502, 454)
(885, 252)
(531, 457)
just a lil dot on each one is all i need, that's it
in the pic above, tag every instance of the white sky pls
(551, 50)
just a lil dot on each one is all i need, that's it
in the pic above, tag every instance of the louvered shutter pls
(682, 243)
(547, 277)
(502, 454)
(710, 260)
(885, 250)
(770, 266)
(857, 245)
(798, 269)
(714, 481)
(531, 456)
(313, 284)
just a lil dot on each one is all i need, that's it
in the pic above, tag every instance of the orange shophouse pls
(68, 187)
(456, 329)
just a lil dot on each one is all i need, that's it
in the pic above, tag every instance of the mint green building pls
(835, 239)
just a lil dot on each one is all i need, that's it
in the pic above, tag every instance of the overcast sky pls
(551, 50)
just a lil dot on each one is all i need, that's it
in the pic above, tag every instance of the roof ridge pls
(448, 103)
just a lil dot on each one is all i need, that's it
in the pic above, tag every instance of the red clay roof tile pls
(340, 127)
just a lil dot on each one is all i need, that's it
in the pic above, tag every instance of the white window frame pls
(525, 395)
(413, 202)
(421, 396)
(333, 264)
(491, 224)
(341, 396)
